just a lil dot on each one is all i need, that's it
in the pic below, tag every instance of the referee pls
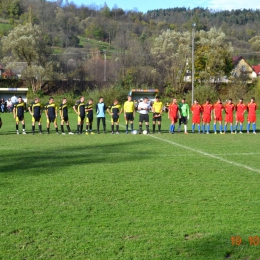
(157, 113)
(129, 113)
(143, 109)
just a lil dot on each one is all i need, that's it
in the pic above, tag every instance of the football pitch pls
(158, 196)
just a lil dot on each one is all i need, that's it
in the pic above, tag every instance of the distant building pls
(256, 69)
(14, 72)
(242, 69)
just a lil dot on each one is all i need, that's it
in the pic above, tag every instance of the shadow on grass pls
(217, 246)
(45, 161)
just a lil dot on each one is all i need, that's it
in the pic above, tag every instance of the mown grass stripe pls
(206, 154)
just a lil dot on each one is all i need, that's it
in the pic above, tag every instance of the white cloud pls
(232, 4)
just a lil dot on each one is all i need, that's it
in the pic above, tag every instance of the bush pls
(201, 93)
(109, 94)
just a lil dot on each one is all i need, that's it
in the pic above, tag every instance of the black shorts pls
(157, 118)
(115, 119)
(65, 118)
(52, 119)
(143, 117)
(183, 120)
(37, 118)
(129, 116)
(81, 118)
(89, 119)
(19, 118)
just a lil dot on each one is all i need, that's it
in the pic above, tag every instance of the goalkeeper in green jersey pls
(185, 115)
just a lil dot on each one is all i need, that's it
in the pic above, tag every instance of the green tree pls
(172, 52)
(213, 55)
(25, 43)
(255, 43)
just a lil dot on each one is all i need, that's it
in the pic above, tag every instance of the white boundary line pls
(203, 153)
(206, 154)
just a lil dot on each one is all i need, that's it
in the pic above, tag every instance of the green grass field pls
(128, 196)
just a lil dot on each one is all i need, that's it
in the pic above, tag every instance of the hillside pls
(113, 46)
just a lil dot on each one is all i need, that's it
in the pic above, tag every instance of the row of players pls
(207, 112)
(175, 111)
(82, 110)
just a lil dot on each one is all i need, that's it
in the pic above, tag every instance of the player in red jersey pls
(207, 115)
(251, 107)
(229, 109)
(218, 108)
(196, 110)
(240, 111)
(173, 114)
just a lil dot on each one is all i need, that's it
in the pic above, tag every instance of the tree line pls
(139, 50)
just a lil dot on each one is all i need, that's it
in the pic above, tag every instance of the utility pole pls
(192, 61)
(105, 65)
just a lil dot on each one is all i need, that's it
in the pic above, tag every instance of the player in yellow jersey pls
(89, 116)
(18, 111)
(35, 110)
(129, 113)
(79, 109)
(157, 113)
(115, 110)
(51, 112)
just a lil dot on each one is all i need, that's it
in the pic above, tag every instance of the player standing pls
(143, 109)
(89, 116)
(51, 112)
(64, 116)
(115, 110)
(18, 112)
(217, 110)
(185, 115)
(35, 110)
(129, 113)
(240, 111)
(173, 114)
(79, 109)
(157, 113)
(229, 109)
(101, 114)
(252, 106)
(196, 110)
(206, 115)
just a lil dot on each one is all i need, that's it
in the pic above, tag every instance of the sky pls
(145, 5)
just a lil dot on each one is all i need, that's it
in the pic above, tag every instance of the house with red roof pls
(242, 69)
(256, 69)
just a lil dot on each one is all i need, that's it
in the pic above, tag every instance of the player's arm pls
(160, 113)
(124, 110)
(89, 109)
(56, 111)
(109, 112)
(75, 109)
(120, 111)
(30, 110)
(179, 113)
(46, 112)
(61, 112)
(14, 112)
(191, 109)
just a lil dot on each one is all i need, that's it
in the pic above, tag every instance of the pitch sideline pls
(205, 154)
